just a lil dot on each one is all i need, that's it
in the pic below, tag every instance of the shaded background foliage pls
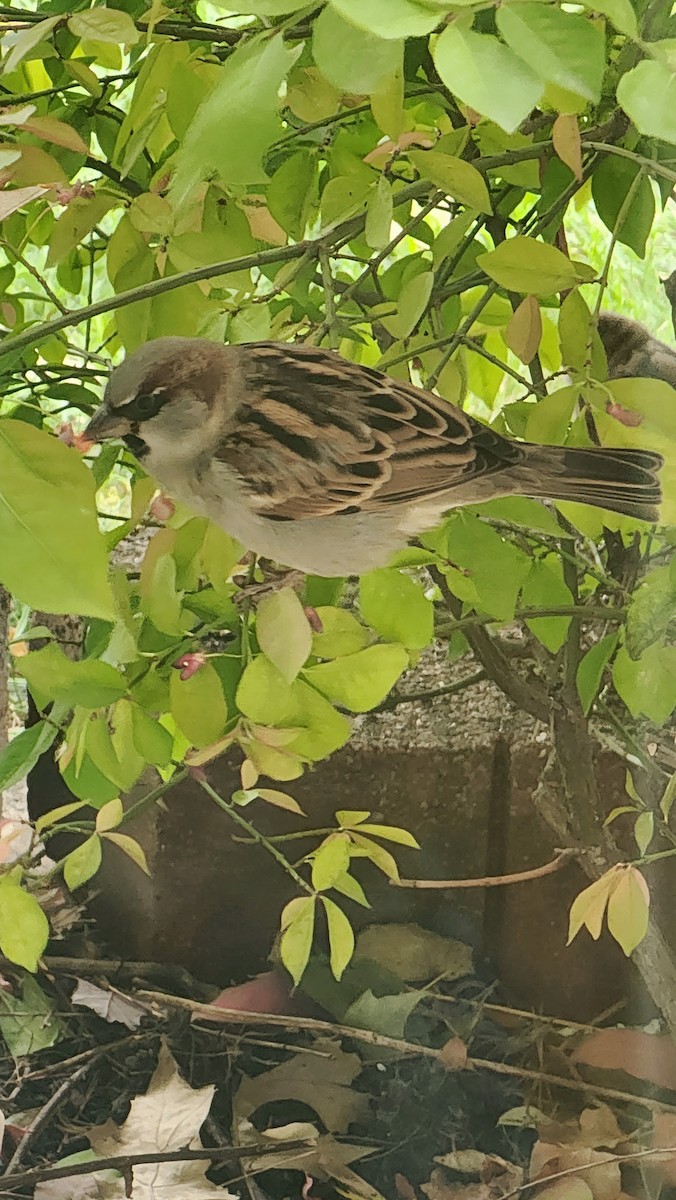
(449, 192)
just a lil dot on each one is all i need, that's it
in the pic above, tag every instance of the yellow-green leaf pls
(198, 705)
(523, 264)
(341, 937)
(628, 909)
(283, 632)
(24, 929)
(454, 176)
(298, 923)
(82, 862)
(131, 848)
(52, 555)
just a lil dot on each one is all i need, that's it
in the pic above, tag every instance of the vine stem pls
(255, 834)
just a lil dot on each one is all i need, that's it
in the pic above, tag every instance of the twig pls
(449, 689)
(528, 695)
(229, 1016)
(235, 815)
(562, 859)
(157, 287)
(123, 1162)
(43, 1116)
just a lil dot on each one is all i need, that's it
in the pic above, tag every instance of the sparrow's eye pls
(145, 406)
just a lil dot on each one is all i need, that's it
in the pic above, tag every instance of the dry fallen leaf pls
(414, 953)
(167, 1117)
(323, 1083)
(108, 1004)
(602, 1178)
(647, 1056)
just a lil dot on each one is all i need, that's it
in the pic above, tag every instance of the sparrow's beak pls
(105, 424)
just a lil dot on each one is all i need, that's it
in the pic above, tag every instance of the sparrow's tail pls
(624, 481)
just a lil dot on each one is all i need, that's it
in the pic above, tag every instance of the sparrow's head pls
(163, 392)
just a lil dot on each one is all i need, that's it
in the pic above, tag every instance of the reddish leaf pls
(644, 1055)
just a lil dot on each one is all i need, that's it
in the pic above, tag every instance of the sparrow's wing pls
(314, 435)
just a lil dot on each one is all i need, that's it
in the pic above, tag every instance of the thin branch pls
(157, 287)
(562, 859)
(450, 689)
(228, 1016)
(235, 815)
(529, 695)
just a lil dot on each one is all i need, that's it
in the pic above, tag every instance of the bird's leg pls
(274, 579)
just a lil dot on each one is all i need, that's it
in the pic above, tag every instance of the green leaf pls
(628, 909)
(20, 755)
(470, 63)
(382, 858)
(341, 937)
(644, 828)
(383, 1014)
(88, 683)
(264, 696)
(265, 8)
(82, 862)
(456, 177)
(522, 264)
(544, 588)
(198, 705)
(550, 418)
(577, 333)
(325, 730)
(341, 634)
(130, 847)
(360, 681)
(77, 220)
(151, 739)
(668, 797)
(348, 886)
(248, 92)
(24, 928)
(652, 608)
(330, 861)
(396, 19)
(620, 12)
(120, 770)
(562, 48)
(519, 510)
(104, 25)
(496, 568)
(396, 606)
(352, 59)
(648, 684)
(52, 555)
(411, 304)
(160, 601)
(290, 192)
(611, 182)
(28, 1024)
(648, 96)
(391, 833)
(22, 43)
(591, 670)
(283, 632)
(379, 211)
(57, 814)
(109, 816)
(298, 924)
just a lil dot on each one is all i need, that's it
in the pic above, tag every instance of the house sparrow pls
(632, 351)
(327, 466)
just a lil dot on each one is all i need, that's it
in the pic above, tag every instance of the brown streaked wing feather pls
(317, 435)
